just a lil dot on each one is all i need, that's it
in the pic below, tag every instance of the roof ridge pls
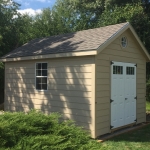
(83, 30)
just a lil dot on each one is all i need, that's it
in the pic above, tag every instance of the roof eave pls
(115, 36)
(58, 55)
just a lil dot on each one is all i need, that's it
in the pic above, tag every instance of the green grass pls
(147, 106)
(137, 140)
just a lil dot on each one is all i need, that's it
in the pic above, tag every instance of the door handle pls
(126, 98)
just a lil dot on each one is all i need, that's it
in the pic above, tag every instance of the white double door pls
(123, 94)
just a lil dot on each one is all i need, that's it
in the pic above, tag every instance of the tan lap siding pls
(114, 52)
(69, 88)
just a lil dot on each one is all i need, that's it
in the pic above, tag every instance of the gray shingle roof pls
(84, 40)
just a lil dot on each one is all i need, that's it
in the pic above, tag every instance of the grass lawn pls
(136, 140)
(147, 106)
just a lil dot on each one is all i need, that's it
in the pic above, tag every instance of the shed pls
(96, 77)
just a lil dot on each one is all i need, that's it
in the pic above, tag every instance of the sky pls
(34, 6)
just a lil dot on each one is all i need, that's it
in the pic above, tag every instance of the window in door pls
(117, 69)
(130, 70)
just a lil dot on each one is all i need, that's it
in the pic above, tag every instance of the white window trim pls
(41, 76)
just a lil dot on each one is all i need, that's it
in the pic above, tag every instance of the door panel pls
(130, 93)
(123, 93)
(117, 95)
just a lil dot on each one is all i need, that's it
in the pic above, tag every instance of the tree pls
(43, 24)
(75, 15)
(15, 30)
(135, 14)
(8, 33)
(24, 29)
(8, 16)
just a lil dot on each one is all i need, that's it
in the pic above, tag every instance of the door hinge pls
(111, 126)
(111, 100)
(135, 65)
(111, 62)
(135, 97)
(135, 120)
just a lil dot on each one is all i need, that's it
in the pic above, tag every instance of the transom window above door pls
(41, 76)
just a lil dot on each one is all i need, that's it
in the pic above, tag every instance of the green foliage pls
(109, 4)
(43, 24)
(15, 30)
(35, 130)
(147, 106)
(133, 13)
(148, 90)
(1, 75)
(8, 17)
(24, 29)
(79, 15)
(120, 14)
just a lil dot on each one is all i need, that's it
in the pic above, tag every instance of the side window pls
(41, 76)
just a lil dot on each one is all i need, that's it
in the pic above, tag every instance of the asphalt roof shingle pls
(84, 40)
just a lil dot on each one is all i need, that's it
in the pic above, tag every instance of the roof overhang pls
(85, 52)
(115, 36)
(58, 55)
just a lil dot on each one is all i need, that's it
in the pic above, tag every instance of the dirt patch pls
(2, 106)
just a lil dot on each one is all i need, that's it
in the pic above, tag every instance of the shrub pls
(34, 130)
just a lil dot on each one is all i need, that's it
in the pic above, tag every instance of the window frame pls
(124, 37)
(116, 69)
(41, 76)
(131, 72)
